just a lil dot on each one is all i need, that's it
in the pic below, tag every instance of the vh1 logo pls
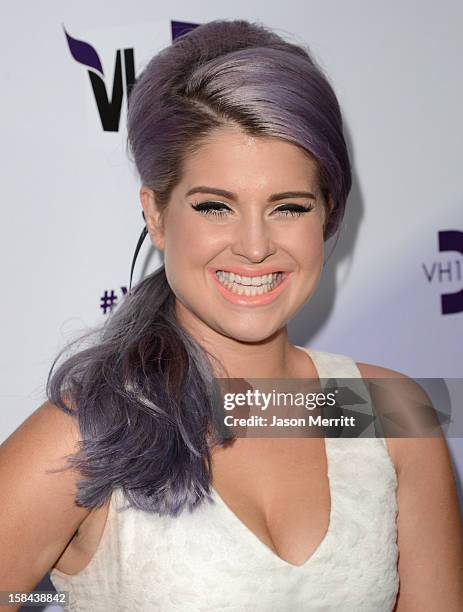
(109, 104)
(451, 271)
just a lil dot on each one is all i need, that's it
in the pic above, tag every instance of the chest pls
(279, 490)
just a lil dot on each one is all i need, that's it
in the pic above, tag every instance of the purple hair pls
(142, 393)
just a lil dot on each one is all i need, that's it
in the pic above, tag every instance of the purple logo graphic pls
(109, 106)
(448, 240)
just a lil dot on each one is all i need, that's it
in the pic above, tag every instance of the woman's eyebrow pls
(232, 196)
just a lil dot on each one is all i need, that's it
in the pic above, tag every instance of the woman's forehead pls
(243, 158)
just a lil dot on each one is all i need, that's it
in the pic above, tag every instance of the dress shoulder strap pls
(333, 365)
(338, 366)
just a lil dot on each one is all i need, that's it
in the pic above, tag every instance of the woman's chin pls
(250, 335)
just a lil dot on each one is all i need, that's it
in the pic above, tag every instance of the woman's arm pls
(430, 532)
(430, 535)
(39, 516)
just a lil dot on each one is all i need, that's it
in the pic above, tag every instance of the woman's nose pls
(253, 239)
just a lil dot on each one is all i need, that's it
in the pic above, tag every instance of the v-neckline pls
(255, 538)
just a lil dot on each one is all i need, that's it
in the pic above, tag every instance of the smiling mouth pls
(249, 285)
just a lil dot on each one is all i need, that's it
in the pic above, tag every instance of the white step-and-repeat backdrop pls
(391, 292)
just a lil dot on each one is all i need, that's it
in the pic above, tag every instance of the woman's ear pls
(153, 217)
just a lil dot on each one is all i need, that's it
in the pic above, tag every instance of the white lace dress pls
(209, 561)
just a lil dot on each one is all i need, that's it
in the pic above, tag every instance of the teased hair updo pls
(142, 392)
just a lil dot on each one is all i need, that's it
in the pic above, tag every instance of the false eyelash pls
(216, 209)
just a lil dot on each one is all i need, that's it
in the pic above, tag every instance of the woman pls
(237, 137)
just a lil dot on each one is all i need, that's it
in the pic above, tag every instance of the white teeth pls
(247, 285)
(255, 281)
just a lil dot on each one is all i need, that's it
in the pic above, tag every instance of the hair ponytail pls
(143, 401)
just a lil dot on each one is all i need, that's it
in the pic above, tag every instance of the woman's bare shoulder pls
(370, 370)
(404, 398)
(37, 499)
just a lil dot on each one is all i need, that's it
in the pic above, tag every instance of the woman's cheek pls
(188, 250)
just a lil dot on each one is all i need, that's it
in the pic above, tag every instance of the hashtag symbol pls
(108, 301)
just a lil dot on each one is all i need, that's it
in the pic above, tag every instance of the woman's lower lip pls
(252, 300)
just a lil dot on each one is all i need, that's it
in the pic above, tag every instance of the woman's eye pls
(218, 209)
(295, 210)
(215, 209)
